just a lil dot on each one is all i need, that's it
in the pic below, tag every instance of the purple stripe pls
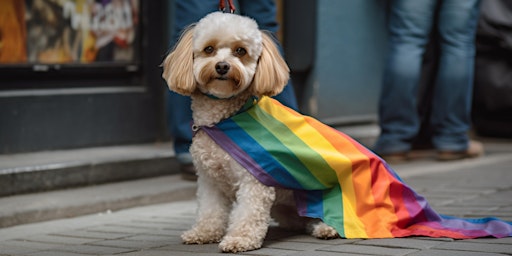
(240, 156)
(470, 228)
(301, 202)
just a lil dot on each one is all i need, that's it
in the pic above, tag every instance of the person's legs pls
(410, 23)
(178, 106)
(451, 106)
(264, 13)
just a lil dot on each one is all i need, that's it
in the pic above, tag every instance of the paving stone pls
(153, 238)
(60, 239)
(134, 244)
(90, 234)
(321, 253)
(152, 252)
(293, 245)
(118, 229)
(164, 223)
(165, 232)
(29, 244)
(15, 250)
(401, 243)
(172, 253)
(476, 247)
(368, 250)
(505, 240)
(143, 225)
(179, 226)
(269, 251)
(92, 249)
(192, 248)
(433, 252)
(55, 253)
(310, 239)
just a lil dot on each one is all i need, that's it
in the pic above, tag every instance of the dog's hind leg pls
(212, 215)
(319, 229)
(250, 217)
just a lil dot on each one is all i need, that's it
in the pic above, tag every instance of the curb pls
(29, 208)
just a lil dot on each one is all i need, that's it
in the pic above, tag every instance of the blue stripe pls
(259, 154)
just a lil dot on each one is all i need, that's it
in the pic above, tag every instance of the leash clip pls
(222, 6)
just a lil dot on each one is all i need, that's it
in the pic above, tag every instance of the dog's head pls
(223, 55)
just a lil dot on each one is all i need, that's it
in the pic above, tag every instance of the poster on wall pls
(69, 31)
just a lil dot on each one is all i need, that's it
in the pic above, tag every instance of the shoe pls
(188, 172)
(395, 158)
(475, 149)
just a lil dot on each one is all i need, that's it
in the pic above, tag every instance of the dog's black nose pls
(222, 67)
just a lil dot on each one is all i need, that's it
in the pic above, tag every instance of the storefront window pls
(69, 35)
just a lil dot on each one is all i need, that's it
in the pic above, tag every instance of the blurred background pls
(77, 73)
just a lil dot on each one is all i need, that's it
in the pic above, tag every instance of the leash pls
(222, 6)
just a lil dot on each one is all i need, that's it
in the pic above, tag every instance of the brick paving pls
(470, 188)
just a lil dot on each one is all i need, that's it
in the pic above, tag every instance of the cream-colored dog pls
(221, 62)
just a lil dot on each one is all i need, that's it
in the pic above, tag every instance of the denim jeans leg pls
(409, 27)
(264, 13)
(178, 106)
(451, 108)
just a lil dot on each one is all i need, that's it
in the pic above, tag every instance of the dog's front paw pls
(239, 244)
(195, 236)
(323, 231)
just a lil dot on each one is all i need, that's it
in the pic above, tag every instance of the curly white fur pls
(221, 62)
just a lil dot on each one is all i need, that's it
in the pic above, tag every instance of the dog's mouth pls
(236, 82)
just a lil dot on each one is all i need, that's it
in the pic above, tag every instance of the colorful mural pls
(68, 31)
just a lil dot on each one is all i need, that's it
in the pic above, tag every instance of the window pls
(59, 40)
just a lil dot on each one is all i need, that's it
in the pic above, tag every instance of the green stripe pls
(271, 144)
(315, 164)
(333, 209)
(313, 160)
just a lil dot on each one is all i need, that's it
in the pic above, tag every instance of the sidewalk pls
(470, 188)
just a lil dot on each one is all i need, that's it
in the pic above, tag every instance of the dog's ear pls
(178, 65)
(272, 73)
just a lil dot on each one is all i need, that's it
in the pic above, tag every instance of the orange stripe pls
(373, 206)
(373, 203)
(396, 198)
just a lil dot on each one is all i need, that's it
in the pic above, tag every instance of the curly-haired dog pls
(221, 62)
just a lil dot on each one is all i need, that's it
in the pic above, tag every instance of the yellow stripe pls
(338, 161)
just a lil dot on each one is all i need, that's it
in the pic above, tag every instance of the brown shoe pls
(395, 158)
(188, 172)
(475, 149)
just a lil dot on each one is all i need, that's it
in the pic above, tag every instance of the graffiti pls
(69, 31)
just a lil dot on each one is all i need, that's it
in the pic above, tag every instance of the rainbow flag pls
(334, 178)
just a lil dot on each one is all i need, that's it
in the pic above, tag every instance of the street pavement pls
(471, 188)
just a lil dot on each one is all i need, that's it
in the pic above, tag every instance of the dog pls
(221, 62)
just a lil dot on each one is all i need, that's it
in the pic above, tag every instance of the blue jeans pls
(178, 106)
(410, 24)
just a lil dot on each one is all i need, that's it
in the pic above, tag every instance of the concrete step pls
(51, 170)
(101, 199)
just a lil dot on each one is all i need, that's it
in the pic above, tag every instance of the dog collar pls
(251, 101)
(211, 96)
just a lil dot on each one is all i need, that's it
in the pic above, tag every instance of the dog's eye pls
(240, 51)
(208, 49)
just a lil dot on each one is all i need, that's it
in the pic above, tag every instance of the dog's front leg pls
(249, 218)
(212, 215)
